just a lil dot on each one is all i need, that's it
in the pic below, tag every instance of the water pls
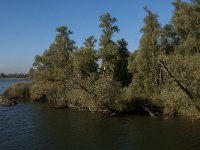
(6, 83)
(37, 126)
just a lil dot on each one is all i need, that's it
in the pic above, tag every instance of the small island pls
(161, 77)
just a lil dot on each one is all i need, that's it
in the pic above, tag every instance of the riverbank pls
(18, 91)
(23, 91)
(7, 101)
(14, 78)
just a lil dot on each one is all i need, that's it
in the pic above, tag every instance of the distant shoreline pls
(14, 78)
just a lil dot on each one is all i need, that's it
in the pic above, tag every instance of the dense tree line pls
(13, 75)
(162, 75)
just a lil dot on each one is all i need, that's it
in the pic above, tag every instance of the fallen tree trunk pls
(104, 112)
(77, 107)
(184, 89)
(150, 113)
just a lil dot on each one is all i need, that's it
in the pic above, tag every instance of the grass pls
(18, 91)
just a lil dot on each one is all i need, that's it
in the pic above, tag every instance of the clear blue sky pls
(27, 27)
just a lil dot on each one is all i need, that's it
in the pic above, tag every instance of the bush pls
(176, 102)
(44, 92)
(18, 91)
(109, 93)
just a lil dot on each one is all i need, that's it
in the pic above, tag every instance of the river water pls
(37, 126)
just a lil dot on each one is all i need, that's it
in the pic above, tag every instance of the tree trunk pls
(184, 89)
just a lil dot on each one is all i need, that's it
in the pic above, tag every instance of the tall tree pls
(55, 63)
(114, 55)
(85, 59)
(121, 71)
(196, 1)
(145, 73)
(186, 22)
(108, 28)
(168, 39)
(54, 67)
(108, 51)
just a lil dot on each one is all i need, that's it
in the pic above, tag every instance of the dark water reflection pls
(36, 126)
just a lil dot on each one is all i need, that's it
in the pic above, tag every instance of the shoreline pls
(14, 78)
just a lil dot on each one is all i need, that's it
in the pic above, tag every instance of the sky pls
(27, 27)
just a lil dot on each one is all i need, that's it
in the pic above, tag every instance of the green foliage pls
(108, 93)
(168, 89)
(143, 66)
(43, 92)
(109, 50)
(85, 59)
(114, 55)
(161, 76)
(175, 102)
(122, 74)
(54, 67)
(108, 28)
(187, 71)
(168, 39)
(186, 23)
(19, 91)
(55, 63)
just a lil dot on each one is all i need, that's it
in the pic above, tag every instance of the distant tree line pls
(161, 76)
(13, 75)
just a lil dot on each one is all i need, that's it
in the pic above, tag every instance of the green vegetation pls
(165, 67)
(19, 91)
(161, 76)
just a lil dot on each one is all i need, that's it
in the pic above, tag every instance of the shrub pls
(176, 102)
(109, 93)
(18, 91)
(44, 92)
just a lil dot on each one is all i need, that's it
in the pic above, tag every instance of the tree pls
(85, 59)
(108, 51)
(121, 71)
(108, 28)
(114, 55)
(55, 62)
(186, 23)
(168, 39)
(195, 1)
(55, 65)
(145, 73)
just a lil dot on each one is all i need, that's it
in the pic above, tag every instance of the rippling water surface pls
(37, 126)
